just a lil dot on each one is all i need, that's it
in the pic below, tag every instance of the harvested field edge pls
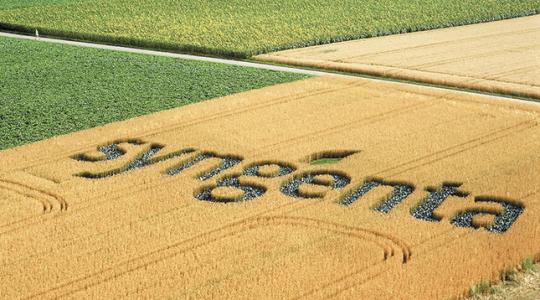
(455, 81)
(496, 288)
(191, 49)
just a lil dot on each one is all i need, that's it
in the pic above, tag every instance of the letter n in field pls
(386, 204)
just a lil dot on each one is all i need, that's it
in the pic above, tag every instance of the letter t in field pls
(424, 211)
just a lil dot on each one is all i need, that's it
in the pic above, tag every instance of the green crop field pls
(242, 28)
(48, 89)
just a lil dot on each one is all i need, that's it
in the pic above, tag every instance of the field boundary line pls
(478, 84)
(171, 54)
(167, 128)
(265, 66)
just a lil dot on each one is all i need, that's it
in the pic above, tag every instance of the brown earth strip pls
(498, 57)
(434, 191)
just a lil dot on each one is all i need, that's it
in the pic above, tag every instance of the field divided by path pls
(498, 57)
(49, 89)
(242, 28)
(431, 191)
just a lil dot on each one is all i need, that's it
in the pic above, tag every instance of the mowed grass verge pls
(48, 89)
(242, 28)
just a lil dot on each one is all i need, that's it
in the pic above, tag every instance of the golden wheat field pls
(434, 191)
(499, 57)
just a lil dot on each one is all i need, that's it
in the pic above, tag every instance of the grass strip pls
(49, 89)
(243, 28)
(325, 161)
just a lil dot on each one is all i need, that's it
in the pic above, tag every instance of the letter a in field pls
(502, 221)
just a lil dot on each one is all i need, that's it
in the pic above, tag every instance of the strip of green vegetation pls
(48, 89)
(11, 4)
(243, 28)
(528, 264)
(325, 161)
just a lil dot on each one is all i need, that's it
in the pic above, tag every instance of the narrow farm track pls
(219, 199)
(264, 66)
(171, 54)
